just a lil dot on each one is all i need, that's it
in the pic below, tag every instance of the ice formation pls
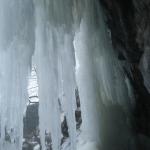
(16, 48)
(72, 48)
(33, 85)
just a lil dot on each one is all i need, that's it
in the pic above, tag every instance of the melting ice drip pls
(72, 48)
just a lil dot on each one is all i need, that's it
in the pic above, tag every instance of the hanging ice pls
(55, 54)
(105, 94)
(16, 48)
(71, 45)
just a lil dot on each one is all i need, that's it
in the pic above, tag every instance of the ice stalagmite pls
(16, 48)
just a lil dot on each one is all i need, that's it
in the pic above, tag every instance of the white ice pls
(73, 49)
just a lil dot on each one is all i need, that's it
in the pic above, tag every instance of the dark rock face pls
(129, 22)
(31, 121)
(121, 21)
(78, 115)
(64, 128)
(30, 130)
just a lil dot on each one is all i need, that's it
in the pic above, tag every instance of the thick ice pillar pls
(16, 48)
(55, 65)
(65, 31)
(103, 88)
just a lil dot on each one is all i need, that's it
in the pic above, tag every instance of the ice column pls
(55, 66)
(100, 78)
(16, 48)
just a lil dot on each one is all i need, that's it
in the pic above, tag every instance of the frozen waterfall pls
(16, 49)
(72, 48)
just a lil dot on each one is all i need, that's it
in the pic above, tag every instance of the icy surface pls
(102, 86)
(33, 86)
(56, 68)
(16, 48)
(72, 49)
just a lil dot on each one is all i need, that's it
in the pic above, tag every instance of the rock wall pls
(129, 23)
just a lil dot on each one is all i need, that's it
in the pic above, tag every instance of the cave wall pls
(129, 23)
